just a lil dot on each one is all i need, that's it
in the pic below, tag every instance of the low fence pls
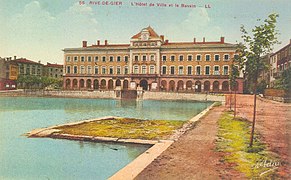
(278, 95)
(112, 95)
(182, 96)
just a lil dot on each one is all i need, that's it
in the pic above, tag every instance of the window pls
(172, 58)
(82, 59)
(89, 59)
(164, 70)
(103, 70)
(152, 57)
(76, 58)
(21, 69)
(136, 58)
(103, 59)
(181, 58)
(198, 70)
(96, 70)
(226, 57)
(152, 69)
(82, 70)
(235, 57)
(198, 57)
(216, 57)
(32, 69)
(143, 69)
(38, 71)
(118, 59)
(172, 70)
(189, 70)
(27, 70)
(125, 70)
(207, 70)
(216, 70)
(144, 58)
(68, 58)
(164, 58)
(190, 57)
(225, 70)
(207, 57)
(135, 69)
(75, 69)
(89, 70)
(180, 70)
(126, 58)
(68, 69)
(96, 59)
(111, 58)
(118, 70)
(111, 70)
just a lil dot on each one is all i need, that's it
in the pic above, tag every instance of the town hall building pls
(152, 62)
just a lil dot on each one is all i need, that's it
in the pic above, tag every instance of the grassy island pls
(127, 128)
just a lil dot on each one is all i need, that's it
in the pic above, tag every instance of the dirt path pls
(273, 123)
(192, 157)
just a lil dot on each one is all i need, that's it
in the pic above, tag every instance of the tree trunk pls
(230, 100)
(234, 103)
(254, 115)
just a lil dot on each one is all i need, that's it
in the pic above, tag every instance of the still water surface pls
(32, 158)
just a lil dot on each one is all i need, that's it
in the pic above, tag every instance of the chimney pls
(38, 62)
(162, 37)
(167, 41)
(194, 40)
(84, 43)
(14, 57)
(98, 42)
(222, 39)
(204, 39)
(290, 41)
(105, 42)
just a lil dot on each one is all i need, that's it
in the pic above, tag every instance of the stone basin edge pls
(131, 170)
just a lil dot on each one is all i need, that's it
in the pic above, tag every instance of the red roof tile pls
(54, 65)
(110, 45)
(153, 34)
(23, 60)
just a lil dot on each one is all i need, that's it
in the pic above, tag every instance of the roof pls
(198, 45)
(109, 45)
(26, 61)
(153, 34)
(54, 65)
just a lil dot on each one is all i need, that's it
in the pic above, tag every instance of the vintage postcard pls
(145, 89)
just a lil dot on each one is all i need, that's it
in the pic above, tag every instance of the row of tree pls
(40, 82)
(250, 57)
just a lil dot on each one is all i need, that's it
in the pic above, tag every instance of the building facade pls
(153, 63)
(280, 61)
(53, 70)
(8, 74)
(29, 67)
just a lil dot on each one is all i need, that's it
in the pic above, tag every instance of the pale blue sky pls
(40, 29)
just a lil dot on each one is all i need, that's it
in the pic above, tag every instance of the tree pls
(233, 84)
(251, 53)
(284, 82)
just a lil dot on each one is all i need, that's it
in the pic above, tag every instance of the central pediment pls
(146, 34)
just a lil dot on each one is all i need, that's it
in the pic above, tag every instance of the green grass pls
(125, 128)
(234, 138)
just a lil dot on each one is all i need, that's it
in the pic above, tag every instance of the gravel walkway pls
(192, 156)
(274, 124)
